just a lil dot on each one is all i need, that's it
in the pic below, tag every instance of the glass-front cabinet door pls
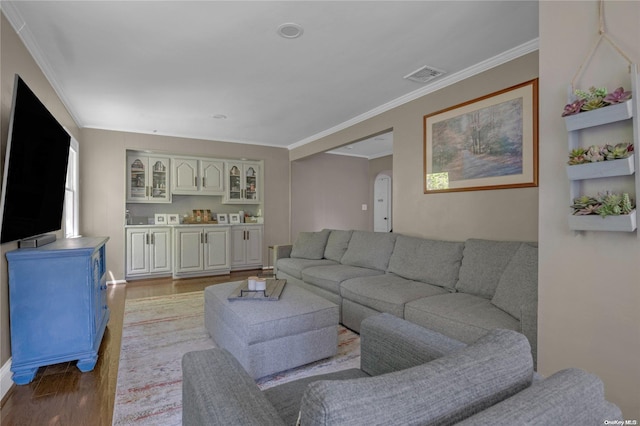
(243, 183)
(147, 179)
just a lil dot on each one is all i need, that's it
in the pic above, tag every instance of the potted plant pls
(605, 212)
(601, 161)
(595, 107)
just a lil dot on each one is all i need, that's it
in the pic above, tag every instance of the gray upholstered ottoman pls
(272, 336)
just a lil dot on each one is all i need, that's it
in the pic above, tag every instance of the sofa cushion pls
(386, 293)
(483, 263)
(442, 391)
(294, 267)
(369, 250)
(337, 244)
(286, 397)
(329, 277)
(310, 245)
(459, 315)
(430, 261)
(518, 284)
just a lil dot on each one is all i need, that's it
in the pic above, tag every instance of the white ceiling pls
(169, 67)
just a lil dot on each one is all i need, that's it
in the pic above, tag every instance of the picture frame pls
(173, 219)
(487, 143)
(234, 218)
(223, 218)
(160, 218)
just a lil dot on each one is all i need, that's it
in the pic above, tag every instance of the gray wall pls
(328, 191)
(589, 283)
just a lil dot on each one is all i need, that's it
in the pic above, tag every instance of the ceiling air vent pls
(424, 74)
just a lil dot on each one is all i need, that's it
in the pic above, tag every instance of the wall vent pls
(424, 74)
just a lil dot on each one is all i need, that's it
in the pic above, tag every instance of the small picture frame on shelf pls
(160, 218)
(234, 218)
(173, 219)
(223, 218)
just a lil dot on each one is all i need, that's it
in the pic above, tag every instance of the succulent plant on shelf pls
(605, 204)
(596, 153)
(618, 151)
(595, 98)
(617, 96)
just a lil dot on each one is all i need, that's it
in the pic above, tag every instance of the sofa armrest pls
(216, 390)
(529, 327)
(389, 343)
(280, 251)
(570, 396)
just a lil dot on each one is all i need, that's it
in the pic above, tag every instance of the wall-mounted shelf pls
(601, 169)
(625, 167)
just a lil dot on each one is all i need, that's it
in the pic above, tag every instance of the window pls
(71, 197)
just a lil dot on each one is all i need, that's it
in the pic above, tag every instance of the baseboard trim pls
(116, 282)
(5, 379)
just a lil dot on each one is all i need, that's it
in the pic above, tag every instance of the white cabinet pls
(243, 182)
(246, 247)
(197, 176)
(201, 250)
(147, 179)
(148, 251)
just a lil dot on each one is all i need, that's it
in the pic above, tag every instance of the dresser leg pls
(24, 376)
(87, 364)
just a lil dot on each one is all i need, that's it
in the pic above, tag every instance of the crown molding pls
(20, 26)
(504, 57)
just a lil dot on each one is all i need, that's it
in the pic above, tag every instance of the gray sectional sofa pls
(408, 375)
(460, 289)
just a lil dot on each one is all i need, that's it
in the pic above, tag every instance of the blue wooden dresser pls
(58, 305)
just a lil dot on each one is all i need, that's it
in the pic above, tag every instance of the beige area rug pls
(157, 331)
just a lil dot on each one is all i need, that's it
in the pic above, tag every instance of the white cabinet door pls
(254, 245)
(137, 251)
(198, 176)
(238, 235)
(202, 250)
(185, 176)
(243, 182)
(148, 251)
(246, 246)
(160, 250)
(216, 248)
(147, 179)
(189, 250)
(211, 177)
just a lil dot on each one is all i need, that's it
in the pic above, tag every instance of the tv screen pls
(35, 168)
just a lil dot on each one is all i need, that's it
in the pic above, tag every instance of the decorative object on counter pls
(203, 217)
(223, 218)
(605, 204)
(127, 217)
(242, 215)
(173, 219)
(160, 218)
(234, 218)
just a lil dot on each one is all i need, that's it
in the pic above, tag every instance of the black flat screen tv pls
(35, 169)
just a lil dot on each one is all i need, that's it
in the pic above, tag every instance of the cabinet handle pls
(147, 239)
(202, 238)
(203, 185)
(146, 191)
(153, 238)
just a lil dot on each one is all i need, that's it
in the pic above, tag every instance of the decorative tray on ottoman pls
(272, 292)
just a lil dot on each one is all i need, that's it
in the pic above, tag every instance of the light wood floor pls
(61, 395)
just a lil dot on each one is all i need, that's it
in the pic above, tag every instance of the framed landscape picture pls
(486, 143)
